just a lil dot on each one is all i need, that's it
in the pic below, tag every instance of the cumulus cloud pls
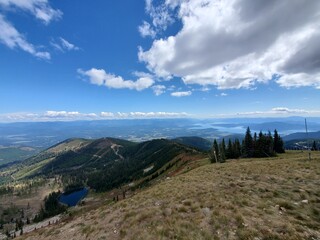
(181, 94)
(13, 39)
(160, 14)
(146, 30)
(101, 78)
(158, 89)
(238, 43)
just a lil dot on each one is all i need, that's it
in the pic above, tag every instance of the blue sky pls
(61, 60)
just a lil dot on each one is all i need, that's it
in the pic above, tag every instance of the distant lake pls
(221, 127)
(73, 198)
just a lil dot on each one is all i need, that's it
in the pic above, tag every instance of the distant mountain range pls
(41, 135)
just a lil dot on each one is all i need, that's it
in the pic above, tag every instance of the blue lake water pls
(73, 198)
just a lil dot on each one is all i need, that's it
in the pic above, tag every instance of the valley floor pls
(275, 198)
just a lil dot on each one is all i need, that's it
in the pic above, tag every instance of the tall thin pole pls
(309, 153)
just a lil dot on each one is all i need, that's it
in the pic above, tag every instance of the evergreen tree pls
(256, 145)
(278, 144)
(222, 153)
(229, 150)
(237, 149)
(270, 144)
(247, 147)
(314, 146)
(215, 151)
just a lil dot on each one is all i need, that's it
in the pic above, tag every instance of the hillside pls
(196, 142)
(106, 163)
(274, 198)
(302, 136)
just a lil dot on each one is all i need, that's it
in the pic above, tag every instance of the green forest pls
(256, 146)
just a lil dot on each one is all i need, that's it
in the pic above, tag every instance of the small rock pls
(277, 206)
(206, 211)
(168, 178)
(115, 231)
(282, 209)
(157, 203)
(167, 211)
(305, 201)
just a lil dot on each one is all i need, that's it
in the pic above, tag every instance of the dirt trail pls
(35, 226)
(116, 148)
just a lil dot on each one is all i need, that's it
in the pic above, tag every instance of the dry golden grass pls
(277, 198)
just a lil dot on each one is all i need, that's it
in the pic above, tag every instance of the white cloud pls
(75, 115)
(181, 94)
(67, 45)
(146, 30)
(158, 89)
(68, 115)
(107, 114)
(171, 88)
(47, 116)
(10, 37)
(154, 115)
(238, 43)
(274, 112)
(41, 9)
(101, 78)
(161, 15)
(64, 45)
(284, 110)
(223, 94)
(205, 89)
(142, 74)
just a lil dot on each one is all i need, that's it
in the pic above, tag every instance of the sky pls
(91, 60)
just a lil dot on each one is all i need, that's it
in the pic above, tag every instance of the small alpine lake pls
(71, 199)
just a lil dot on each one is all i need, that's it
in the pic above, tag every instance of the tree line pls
(256, 146)
(51, 207)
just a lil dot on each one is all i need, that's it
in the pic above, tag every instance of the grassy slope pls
(245, 199)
